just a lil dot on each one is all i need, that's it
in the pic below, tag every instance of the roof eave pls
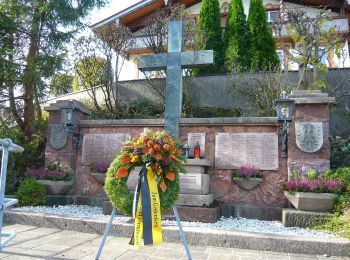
(117, 16)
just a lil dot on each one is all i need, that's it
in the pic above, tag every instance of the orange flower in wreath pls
(121, 173)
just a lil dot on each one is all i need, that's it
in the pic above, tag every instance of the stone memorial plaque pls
(309, 136)
(102, 147)
(192, 183)
(193, 138)
(256, 149)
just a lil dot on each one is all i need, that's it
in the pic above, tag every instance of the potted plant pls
(98, 170)
(57, 179)
(312, 193)
(247, 177)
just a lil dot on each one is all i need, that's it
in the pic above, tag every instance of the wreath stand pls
(6, 146)
(113, 215)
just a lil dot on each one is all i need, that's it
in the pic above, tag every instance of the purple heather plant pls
(43, 174)
(303, 184)
(101, 166)
(247, 172)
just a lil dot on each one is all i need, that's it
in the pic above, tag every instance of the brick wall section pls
(224, 189)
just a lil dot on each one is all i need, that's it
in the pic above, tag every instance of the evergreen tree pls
(236, 38)
(210, 33)
(263, 46)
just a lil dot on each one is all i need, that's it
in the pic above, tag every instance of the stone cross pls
(174, 62)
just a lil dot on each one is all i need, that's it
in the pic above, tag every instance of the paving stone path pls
(46, 243)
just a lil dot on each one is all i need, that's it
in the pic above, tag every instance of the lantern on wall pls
(69, 115)
(284, 109)
(186, 150)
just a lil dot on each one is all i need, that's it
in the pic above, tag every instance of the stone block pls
(133, 177)
(195, 200)
(198, 162)
(251, 211)
(193, 183)
(201, 214)
(311, 201)
(195, 169)
(299, 218)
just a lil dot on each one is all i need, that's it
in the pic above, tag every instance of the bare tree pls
(93, 63)
(314, 37)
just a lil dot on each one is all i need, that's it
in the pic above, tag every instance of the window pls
(272, 16)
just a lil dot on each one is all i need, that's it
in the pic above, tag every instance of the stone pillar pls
(59, 145)
(308, 143)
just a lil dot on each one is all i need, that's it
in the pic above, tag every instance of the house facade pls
(134, 16)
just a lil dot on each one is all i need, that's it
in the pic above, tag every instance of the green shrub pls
(342, 202)
(32, 157)
(31, 193)
(340, 152)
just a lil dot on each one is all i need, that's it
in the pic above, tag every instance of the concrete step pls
(195, 236)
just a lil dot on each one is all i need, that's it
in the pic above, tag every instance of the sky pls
(113, 7)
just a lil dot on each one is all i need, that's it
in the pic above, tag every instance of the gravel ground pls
(232, 224)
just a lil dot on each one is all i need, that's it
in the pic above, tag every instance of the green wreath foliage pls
(165, 157)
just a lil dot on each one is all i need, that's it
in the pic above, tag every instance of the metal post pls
(182, 234)
(110, 221)
(6, 146)
(105, 234)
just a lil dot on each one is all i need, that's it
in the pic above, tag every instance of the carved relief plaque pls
(309, 136)
(102, 147)
(58, 136)
(256, 149)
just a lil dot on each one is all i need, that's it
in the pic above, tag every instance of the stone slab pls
(195, 169)
(133, 178)
(102, 147)
(195, 236)
(193, 139)
(193, 183)
(250, 211)
(299, 218)
(198, 162)
(256, 149)
(195, 200)
(195, 214)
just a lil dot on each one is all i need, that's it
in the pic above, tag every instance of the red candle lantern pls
(197, 151)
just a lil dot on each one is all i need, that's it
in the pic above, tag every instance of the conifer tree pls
(209, 30)
(262, 47)
(236, 38)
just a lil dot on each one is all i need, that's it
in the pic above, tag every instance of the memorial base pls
(199, 214)
(195, 200)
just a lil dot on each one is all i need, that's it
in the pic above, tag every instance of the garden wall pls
(216, 91)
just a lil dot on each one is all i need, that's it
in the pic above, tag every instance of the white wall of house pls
(130, 70)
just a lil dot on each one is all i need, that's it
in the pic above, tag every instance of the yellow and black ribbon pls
(146, 210)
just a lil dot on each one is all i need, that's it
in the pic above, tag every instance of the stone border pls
(217, 238)
(217, 121)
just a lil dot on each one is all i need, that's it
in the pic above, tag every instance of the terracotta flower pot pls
(57, 187)
(311, 201)
(247, 183)
(100, 176)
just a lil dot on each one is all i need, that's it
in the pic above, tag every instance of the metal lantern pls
(70, 119)
(284, 110)
(186, 150)
(69, 115)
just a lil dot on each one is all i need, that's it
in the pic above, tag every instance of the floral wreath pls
(165, 158)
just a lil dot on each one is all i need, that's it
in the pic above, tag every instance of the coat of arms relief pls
(309, 136)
